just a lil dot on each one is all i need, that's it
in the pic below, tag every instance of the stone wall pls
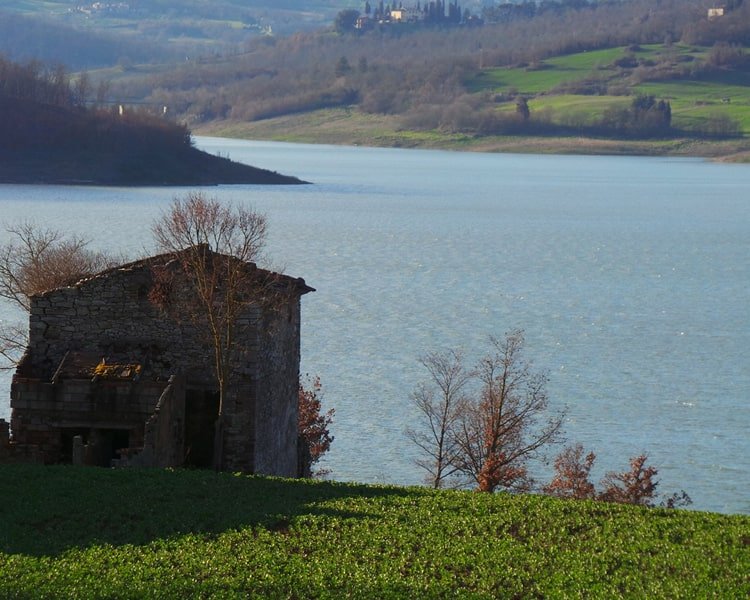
(44, 411)
(276, 415)
(11, 452)
(110, 315)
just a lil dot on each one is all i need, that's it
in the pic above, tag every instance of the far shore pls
(348, 127)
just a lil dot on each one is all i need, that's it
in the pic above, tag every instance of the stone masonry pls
(110, 378)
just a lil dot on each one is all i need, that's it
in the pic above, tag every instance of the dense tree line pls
(44, 108)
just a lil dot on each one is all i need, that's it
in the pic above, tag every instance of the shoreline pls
(189, 167)
(347, 128)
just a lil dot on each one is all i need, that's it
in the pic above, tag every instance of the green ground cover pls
(695, 101)
(553, 72)
(73, 532)
(572, 108)
(721, 94)
(549, 74)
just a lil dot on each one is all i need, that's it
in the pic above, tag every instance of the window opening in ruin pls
(201, 412)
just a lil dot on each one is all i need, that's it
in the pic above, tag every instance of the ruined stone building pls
(111, 377)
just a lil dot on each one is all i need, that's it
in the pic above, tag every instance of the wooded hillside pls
(442, 78)
(88, 34)
(50, 135)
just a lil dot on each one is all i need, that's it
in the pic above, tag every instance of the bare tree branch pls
(441, 402)
(13, 340)
(34, 261)
(489, 435)
(214, 245)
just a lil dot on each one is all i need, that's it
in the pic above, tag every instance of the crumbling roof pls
(90, 365)
(296, 283)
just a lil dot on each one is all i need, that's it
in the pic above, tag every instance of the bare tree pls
(13, 340)
(505, 425)
(37, 260)
(214, 244)
(441, 402)
(34, 261)
(486, 435)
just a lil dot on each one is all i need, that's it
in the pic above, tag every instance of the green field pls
(722, 94)
(552, 72)
(87, 533)
(548, 74)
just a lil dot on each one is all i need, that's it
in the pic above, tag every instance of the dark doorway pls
(201, 411)
(103, 445)
(106, 445)
(66, 442)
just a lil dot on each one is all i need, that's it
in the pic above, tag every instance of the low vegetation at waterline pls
(85, 532)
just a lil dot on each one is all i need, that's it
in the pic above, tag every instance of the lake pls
(630, 277)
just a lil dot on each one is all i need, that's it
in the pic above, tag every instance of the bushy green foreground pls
(71, 532)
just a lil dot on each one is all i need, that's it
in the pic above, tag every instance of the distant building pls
(363, 23)
(398, 15)
(406, 15)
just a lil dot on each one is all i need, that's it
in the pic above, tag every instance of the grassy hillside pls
(580, 88)
(72, 532)
(351, 127)
(586, 71)
(570, 98)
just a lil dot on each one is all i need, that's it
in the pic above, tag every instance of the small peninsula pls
(51, 136)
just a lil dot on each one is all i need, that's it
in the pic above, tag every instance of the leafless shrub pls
(488, 434)
(34, 261)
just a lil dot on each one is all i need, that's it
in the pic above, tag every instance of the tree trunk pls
(219, 443)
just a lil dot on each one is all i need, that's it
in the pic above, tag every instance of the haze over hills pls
(403, 84)
(87, 34)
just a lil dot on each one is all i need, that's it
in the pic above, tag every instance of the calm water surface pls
(630, 276)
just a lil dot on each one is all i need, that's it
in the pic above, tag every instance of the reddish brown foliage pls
(313, 425)
(497, 472)
(572, 471)
(636, 486)
(484, 433)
